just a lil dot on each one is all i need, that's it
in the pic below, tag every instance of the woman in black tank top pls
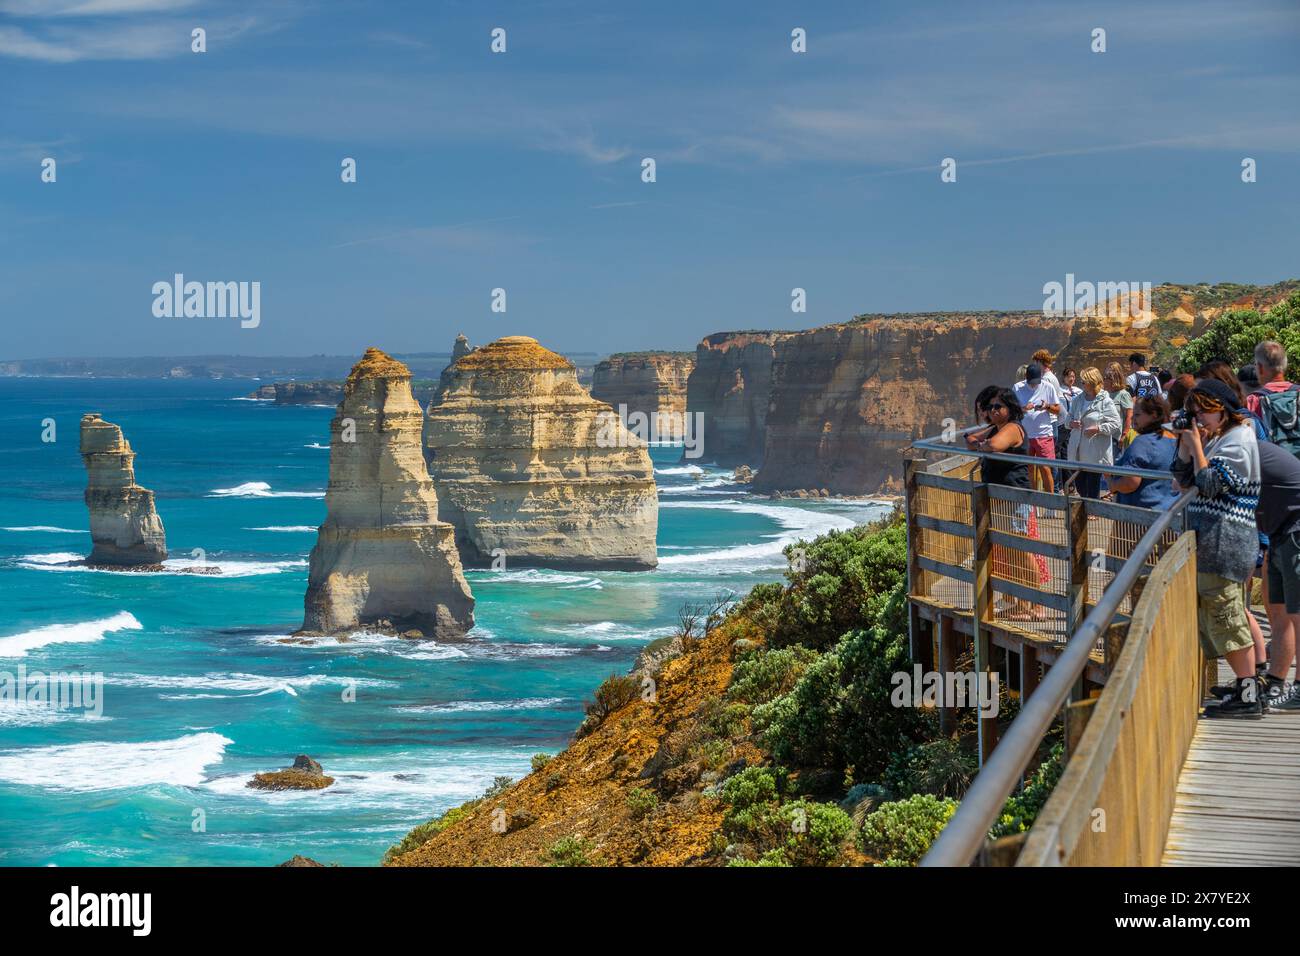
(999, 407)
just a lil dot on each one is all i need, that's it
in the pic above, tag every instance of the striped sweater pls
(1223, 512)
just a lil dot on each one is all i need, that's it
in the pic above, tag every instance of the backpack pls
(1281, 414)
(1145, 384)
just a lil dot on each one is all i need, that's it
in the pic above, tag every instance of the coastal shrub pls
(767, 674)
(641, 802)
(1021, 809)
(499, 786)
(748, 795)
(943, 768)
(838, 715)
(900, 833)
(427, 831)
(618, 690)
(814, 832)
(1234, 335)
(539, 761)
(568, 851)
(770, 858)
(839, 582)
(554, 781)
(724, 720)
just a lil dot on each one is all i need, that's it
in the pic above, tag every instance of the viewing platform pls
(1087, 609)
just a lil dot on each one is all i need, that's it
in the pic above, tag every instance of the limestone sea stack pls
(382, 558)
(125, 530)
(530, 468)
(653, 383)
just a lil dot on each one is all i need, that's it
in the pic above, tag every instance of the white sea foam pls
(66, 561)
(612, 631)
(111, 766)
(249, 684)
(796, 524)
(534, 576)
(680, 470)
(317, 445)
(484, 706)
(286, 527)
(84, 632)
(50, 529)
(260, 489)
(32, 713)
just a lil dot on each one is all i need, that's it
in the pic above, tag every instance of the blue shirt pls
(1157, 453)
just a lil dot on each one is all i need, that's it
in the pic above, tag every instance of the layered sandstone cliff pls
(1158, 324)
(647, 382)
(125, 530)
(383, 558)
(730, 386)
(530, 468)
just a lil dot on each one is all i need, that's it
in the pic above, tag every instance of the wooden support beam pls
(1078, 569)
(982, 606)
(947, 664)
(1076, 719)
(1028, 671)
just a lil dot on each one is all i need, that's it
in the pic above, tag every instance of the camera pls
(1181, 421)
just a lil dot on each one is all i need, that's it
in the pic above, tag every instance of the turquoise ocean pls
(200, 692)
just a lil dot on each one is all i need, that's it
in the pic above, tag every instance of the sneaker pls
(1287, 703)
(1220, 691)
(1244, 703)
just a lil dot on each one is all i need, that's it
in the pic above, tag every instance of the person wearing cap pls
(1218, 455)
(1041, 400)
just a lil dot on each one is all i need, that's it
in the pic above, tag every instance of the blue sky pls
(522, 170)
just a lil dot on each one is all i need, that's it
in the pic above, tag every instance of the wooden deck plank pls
(1238, 793)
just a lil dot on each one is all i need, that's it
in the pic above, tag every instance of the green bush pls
(838, 715)
(554, 781)
(1021, 809)
(748, 794)
(768, 673)
(499, 786)
(641, 802)
(901, 832)
(1234, 335)
(839, 582)
(815, 832)
(770, 858)
(568, 851)
(943, 768)
(539, 761)
(617, 691)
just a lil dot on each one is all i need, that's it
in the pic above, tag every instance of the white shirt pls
(1038, 423)
(1050, 376)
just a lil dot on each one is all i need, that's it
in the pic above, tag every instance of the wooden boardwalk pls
(1238, 801)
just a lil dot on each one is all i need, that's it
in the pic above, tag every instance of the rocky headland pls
(731, 386)
(125, 530)
(383, 559)
(529, 467)
(647, 382)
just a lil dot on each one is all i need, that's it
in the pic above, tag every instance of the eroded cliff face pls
(847, 399)
(125, 530)
(383, 558)
(1160, 323)
(531, 467)
(647, 382)
(730, 386)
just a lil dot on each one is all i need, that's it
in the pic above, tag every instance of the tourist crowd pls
(1232, 436)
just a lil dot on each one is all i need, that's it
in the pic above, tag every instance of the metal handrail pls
(937, 444)
(965, 833)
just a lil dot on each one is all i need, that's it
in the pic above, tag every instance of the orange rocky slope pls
(583, 791)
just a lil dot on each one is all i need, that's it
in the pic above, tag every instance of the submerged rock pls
(299, 860)
(382, 557)
(125, 530)
(305, 774)
(531, 469)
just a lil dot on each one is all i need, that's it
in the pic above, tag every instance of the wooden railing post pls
(1080, 562)
(914, 572)
(982, 605)
(947, 665)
